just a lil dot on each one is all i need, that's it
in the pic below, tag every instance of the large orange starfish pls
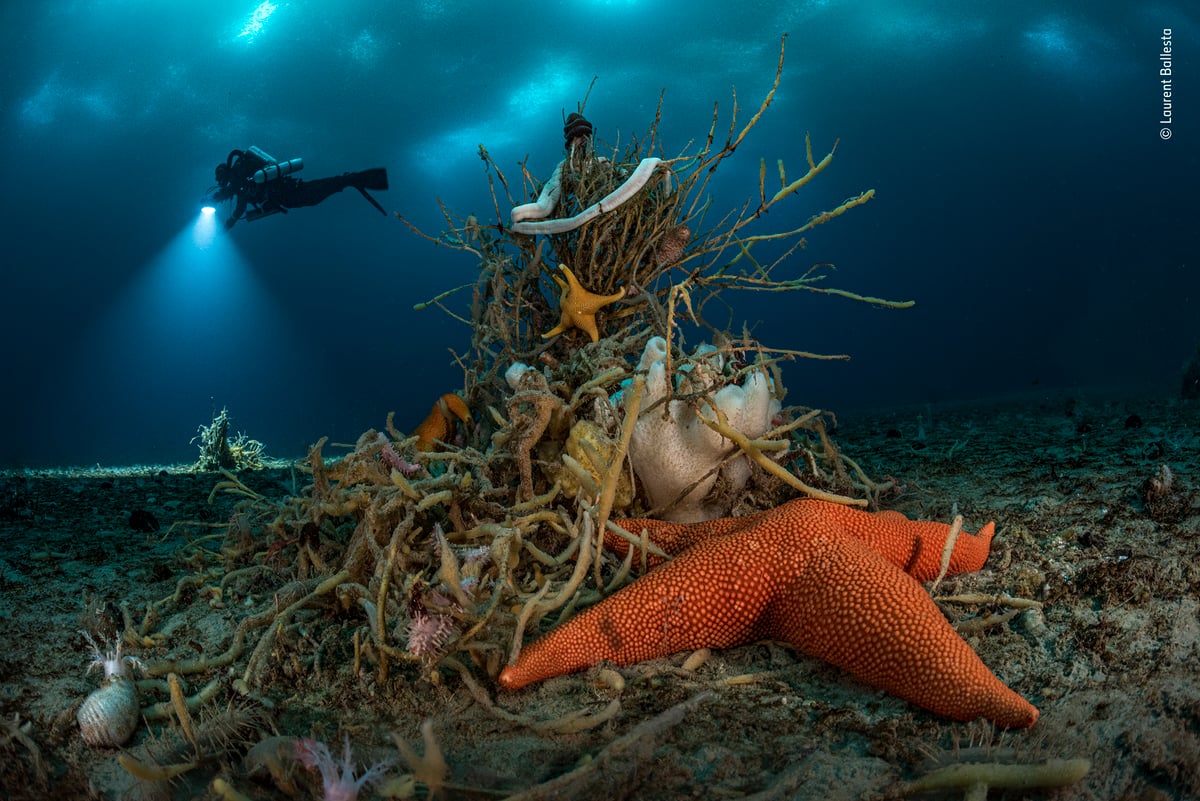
(578, 306)
(837, 583)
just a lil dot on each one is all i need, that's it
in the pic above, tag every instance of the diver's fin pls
(371, 200)
(374, 178)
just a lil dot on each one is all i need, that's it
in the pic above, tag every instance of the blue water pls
(1025, 198)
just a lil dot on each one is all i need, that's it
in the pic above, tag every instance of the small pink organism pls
(389, 456)
(430, 623)
(339, 785)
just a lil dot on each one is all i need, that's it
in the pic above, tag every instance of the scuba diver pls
(266, 185)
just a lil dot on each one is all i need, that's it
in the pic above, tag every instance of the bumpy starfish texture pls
(836, 583)
(579, 306)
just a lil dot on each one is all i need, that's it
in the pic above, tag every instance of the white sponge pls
(671, 447)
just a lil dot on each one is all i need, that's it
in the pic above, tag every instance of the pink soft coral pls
(338, 785)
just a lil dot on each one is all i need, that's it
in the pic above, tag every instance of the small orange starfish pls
(836, 583)
(579, 306)
(440, 422)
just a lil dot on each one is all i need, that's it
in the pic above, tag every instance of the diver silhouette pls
(265, 186)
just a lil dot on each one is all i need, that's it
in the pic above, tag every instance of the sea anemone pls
(338, 781)
(109, 716)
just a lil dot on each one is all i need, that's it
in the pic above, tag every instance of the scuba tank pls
(278, 170)
(274, 169)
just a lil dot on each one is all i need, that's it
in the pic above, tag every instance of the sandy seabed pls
(1110, 657)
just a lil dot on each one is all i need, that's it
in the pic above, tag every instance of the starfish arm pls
(854, 609)
(674, 538)
(586, 323)
(915, 546)
(669, 610)
(572, 287)
(558, 329)
(594, 303)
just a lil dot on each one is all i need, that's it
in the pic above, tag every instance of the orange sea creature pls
(439, 425)
(836, 583)
(579, 306)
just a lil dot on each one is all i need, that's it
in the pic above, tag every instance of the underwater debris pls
(218, 452)
(144, 521)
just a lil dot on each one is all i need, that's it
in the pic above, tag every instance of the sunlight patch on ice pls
(432, 9)
(1051, 38)
(1093, 53)
(41, 107)
(915, 30)
(98, 104)
(1055, 41)
(364, 49)
(54, 98)
(460, 146)
(258, 18)
(548, 89)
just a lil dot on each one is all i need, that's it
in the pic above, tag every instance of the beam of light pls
(204, 231)
(258, 18)
(195, 324)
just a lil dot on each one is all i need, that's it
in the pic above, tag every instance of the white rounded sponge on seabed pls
(671, 450)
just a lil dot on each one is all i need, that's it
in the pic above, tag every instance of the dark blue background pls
(1024, 197)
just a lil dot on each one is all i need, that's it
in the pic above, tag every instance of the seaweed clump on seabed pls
(219, 451)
